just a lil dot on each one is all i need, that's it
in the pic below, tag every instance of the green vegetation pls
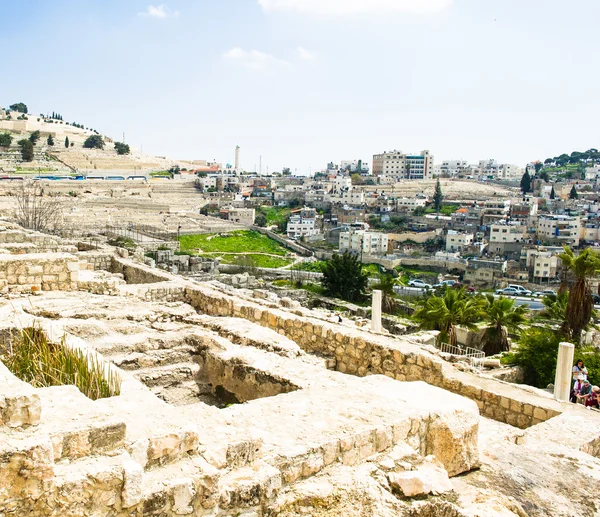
(123, 242)
(260, 219)
(445, 313)
(444, 210)
(161, 174)
(526, 182)
(386, 286)
(94, 142)
(250, 260)
(50, 140)
(19, 107)
(502, 317)
(438, 196)
(580, 306)
(31, 357)
(276, 215)
(372, 269)
(573, 194)
(34, 137)
(315, 267)
(26, 150)
(395, 224)
(67, 142)
(234, 242)
(344, 277)
(5, 139)
(122, 148)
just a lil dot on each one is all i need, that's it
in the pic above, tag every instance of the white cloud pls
(343, 7)
(305, 55)
(159, 11)
(253, 59)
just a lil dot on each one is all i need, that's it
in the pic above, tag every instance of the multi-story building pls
(456, 241)
(467, 219)
(565, 229)
(302, 223)
(511, 172)
(405, 203)
(348, 196)
(452, 168)
(238, 215)
(369, 243)
(542, 262)
(396, 166)
(507, 240)
(354, 166)
(347, 215)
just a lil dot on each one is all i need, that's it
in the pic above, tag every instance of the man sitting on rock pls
(585, 392)
(593, 401)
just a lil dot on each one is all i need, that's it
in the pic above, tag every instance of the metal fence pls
(473, 356)
(139, 232)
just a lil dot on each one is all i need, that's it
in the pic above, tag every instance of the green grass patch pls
(165, 174)
(250, 260)
(445, 210)
(314, 267)
(276, 215)
(31, 357)
(234, 242)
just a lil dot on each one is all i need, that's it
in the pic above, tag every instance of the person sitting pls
(576, 388)
(579, 369)
(585, 392)
(593, 401)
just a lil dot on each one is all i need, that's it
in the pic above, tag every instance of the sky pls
(301, 83)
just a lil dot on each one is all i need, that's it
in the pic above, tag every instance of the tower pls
(237, 158)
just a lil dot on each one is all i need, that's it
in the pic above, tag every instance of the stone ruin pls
(238, 404)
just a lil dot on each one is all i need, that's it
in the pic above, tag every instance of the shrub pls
(122, 148)
(31, 357)
(94, 142)
(5, 139)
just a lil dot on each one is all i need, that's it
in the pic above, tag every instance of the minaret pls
(237, 158)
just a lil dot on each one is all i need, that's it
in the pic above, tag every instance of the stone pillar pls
(564, 372)
(376, 312)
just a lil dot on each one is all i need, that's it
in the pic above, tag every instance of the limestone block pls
(132, 492)
(452, 438)
(183, 495)
(427, 479)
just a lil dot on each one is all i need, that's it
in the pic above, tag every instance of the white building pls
(456, 241)
(302, 223)
(511, 172)
(562, 228)
(349, 196)
(396, 166)
(360, 241)
(451, 168)
(354, 166)
(406, 203)
(506, 233)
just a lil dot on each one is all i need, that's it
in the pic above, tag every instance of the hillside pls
(59, 159)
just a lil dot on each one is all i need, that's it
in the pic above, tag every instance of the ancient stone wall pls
(138, 275)
(97, 259)
(38, 271)
(360, 353)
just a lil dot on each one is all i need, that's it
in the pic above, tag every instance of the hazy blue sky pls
(303, 82)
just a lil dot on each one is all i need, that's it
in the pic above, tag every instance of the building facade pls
(369, 243)
(396, 166)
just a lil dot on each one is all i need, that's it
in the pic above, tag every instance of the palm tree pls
(445, 312)
(386, 286)
(555, 310)
(580, 304)
(502, 316)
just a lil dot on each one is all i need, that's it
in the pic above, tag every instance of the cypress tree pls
(573, 194)
(67, 142)
(552, 193)
(438, 196)
(526, 182)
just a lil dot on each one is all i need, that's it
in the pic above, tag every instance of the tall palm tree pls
(580, 304)
(445, 312)
(502, 317)
(555, 310)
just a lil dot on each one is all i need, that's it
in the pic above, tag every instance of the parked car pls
(546, 292)
(520, 290)
(446, 283)
(507, 291)
(419, 283)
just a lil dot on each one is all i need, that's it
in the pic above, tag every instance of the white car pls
(547, 292)
(521, 291)
(419, 283)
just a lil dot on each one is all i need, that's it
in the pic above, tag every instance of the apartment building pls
(507, 240)
(302, 223)
(452, 168)
(396, 166)
(457, 241)
(369, 243)
(238, 215)
(406, 203)
(565, 229)
(348, 196)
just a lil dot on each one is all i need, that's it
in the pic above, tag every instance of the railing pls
(473, 356)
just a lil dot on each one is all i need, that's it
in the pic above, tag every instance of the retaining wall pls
(38, 271)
